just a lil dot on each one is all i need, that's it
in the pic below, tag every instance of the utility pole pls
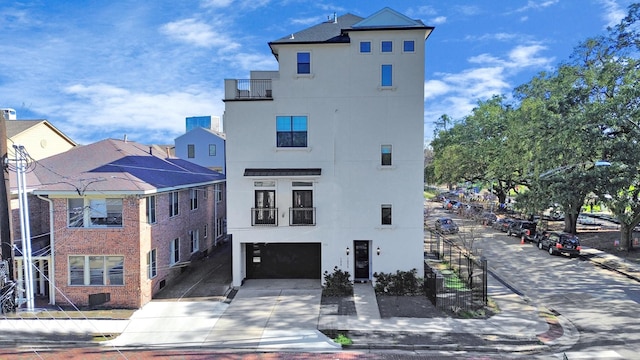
(6, 245)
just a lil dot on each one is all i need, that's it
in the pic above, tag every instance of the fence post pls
(483, 260)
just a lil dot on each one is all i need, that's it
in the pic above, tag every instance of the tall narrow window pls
(386, 214)
(265, 210)
(194, 238)
(291, 131)
(191, 151)
(212, 149)
(387, 79)
(408, 46)
(304, 63)
(385, 153)
(175, 251)
(173, 203)
(386, 46)
(151, 209)
(193, 195)
(152, 264)
(75, 210)
(302, 208)
(365, 46)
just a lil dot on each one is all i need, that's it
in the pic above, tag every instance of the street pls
(602, 305)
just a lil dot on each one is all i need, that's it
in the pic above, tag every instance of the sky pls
(105, 69)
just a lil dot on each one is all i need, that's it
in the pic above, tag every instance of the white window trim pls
(414, 46)
(393, 46)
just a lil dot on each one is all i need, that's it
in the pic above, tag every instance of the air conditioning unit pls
(9, 114)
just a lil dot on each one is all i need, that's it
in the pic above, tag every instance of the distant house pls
(39, 137)
(124, 221)
(202, 146)
(325, 155)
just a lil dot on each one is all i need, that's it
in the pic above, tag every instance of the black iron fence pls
(455, 276)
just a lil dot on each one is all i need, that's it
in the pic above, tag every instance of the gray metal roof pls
(329, 31)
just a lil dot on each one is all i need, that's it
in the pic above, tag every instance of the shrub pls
(337, 283)
(399, 284)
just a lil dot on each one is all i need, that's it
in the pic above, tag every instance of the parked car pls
(446, 226)
(503, 224)
(487, 218)
(526, 230)
(559, 243)
(586, 220)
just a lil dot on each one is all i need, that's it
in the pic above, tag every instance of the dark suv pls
(559, 243)
(525, 230)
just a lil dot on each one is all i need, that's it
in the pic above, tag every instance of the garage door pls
(283, 261)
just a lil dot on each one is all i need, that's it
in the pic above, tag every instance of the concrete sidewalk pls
(282, 315)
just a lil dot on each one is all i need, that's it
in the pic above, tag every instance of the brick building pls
(125, 221)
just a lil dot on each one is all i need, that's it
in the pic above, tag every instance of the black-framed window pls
(386, 214)
(386, 46)
(409, 46)
(365, 46)
(291, 131)
(304, 63)
(191, 151)
(385, 155)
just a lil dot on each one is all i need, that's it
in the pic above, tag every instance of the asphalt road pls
(601, 304)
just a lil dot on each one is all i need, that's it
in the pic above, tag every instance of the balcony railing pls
(246, 89)
(264, 216)
(302, 216)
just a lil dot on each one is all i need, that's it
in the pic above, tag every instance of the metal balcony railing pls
(247, 89)
(302, 216)
(264, 216)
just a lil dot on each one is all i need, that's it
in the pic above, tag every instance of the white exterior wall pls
(349, 118)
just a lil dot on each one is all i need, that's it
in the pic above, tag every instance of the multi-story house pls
(324, 155)
(123, 222)
(202, 146)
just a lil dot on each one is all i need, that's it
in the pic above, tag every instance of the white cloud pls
(536, 5)
(108, 107)
(197, 33)
(216, 3)
(310, 20)
(527, 56)
(439, 20)
(613, 12)
(435, 88)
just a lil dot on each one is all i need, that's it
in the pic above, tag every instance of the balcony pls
(264, 216)
(247, 89)
(302, 216)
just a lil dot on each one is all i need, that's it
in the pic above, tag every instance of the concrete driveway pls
(263, 315)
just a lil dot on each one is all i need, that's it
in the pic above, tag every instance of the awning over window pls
(282, 172)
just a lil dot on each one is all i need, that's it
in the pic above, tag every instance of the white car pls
(586, 220)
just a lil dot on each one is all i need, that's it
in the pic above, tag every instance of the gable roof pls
(117, 167)
(201, 129)
(388, 18)
(17, 127)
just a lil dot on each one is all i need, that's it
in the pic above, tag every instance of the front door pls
(361, 259)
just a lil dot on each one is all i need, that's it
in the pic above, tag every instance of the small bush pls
(343, 340)
(337, 283)
(399, 284)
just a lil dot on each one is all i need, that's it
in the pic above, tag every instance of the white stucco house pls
(325, 155)
(202, 146)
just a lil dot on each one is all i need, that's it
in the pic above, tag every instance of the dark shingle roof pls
(330, 32)
(118, 167)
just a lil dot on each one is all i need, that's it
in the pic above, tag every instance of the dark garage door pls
(283, 261)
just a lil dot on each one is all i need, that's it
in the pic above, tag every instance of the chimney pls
(150, 150)
(335, 18)
(125, 137)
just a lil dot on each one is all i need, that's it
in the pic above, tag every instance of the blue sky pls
(99, 69)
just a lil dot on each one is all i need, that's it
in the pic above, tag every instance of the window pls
(291, 131)
(175, 251)
(219, 227)
(365, 46)
(408, 46)
(304, 63)
(302, 208)
(94, 212)
(194, 239)
(151, 209)
(97, 270)
(386, 75)
(386, 46)
(218, 191)
(265, 211)
(191, 151)
(385, 153)
(152, 264)
(386, 214)
(193, 196)
(206, 231)
(212, 149)
(173, 203)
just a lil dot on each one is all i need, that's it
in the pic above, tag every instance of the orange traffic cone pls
(522, 240)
